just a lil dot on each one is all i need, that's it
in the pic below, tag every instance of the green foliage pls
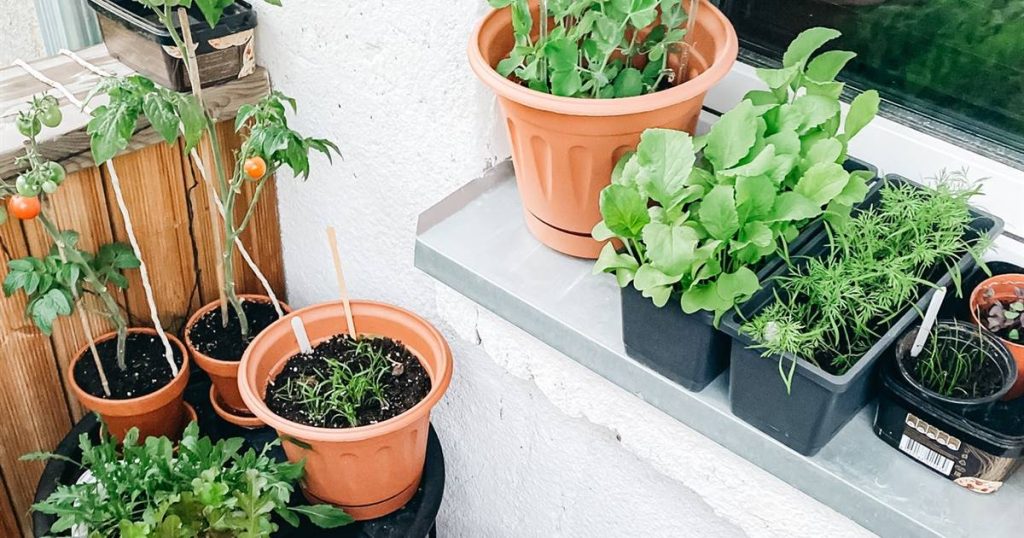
(697, 227)
(50, 283)
(270, 137)
(952, 360)
(833, 308)
(202, 489)
(339, 390)
(113, 124)
(40, 176)
(595, 48)
(212, 10)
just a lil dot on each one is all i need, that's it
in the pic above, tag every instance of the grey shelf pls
(476, 242)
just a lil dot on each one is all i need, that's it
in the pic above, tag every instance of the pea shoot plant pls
(596, 48)
(192, 489)
(832, 309)
(695, 217)
(269, 143)
(58, 283)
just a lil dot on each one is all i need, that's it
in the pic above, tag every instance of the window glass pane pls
(959, 61)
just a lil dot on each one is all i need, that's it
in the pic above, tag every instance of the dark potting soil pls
(147, 369)
(982, 382)
(211, 338)
(299, 392)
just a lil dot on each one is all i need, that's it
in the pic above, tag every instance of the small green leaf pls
(863, 109)
(624, 210)
(566, 83)
(161, 116)
(823, 182)
(792, 206)
(629, 83)
(732, 136)
(665, 158)
(671, 249)
(805, 44)
(718, 213)
(755, 197)
(827, 65)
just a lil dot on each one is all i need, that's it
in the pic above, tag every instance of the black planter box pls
(687, 348)
(820, 403)
(137, 39)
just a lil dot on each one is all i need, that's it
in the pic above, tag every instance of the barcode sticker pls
(926, 455)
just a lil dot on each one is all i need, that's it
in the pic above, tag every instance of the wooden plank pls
(8, 517)
(33, 412)
(156, 200)
(79, 205)
(69, 144)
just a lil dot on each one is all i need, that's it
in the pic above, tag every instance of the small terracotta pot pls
(370, 471)
(223, 374)
(564, 149)
(1003, 287)
(160, 413)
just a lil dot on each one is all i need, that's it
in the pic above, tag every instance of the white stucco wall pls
(536, 445)
(19, 31)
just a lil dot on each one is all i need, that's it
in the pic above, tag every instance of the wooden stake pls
(332, 238)
(206, 152)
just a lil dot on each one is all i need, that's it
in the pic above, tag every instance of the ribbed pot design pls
(160, 413)
(564, 149)
(223, 374)
(370, 471)
(1003, 288)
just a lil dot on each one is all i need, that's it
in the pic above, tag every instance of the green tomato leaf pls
(718, 213)
(160, 113)
(624, 210)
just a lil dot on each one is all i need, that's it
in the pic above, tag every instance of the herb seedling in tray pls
(348, 382)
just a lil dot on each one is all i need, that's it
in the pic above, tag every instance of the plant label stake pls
(684, 58)
(300, 336)
(332, 238)
(929, 320)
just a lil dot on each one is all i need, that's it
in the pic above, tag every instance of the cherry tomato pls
(55, 172)
(23, 207)
(28, 126)
(49, 187)
(27, 186)
(51, 115)
(255, 167)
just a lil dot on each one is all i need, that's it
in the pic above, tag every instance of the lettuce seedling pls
(696, 216)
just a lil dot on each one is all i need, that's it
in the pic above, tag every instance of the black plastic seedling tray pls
(820, 403)
(688, 348)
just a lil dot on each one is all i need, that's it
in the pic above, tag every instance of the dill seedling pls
(833, 309)
(952, 361)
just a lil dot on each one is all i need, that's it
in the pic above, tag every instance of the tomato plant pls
(255, 167)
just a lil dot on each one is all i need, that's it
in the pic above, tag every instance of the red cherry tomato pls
(255, 167)
(24, 207)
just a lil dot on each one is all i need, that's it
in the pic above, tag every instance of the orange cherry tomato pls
(255, 167)
(23, 207)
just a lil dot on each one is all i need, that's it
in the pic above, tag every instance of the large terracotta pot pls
(1003, 288)
(564, 149)
(224, 395)
(160, 413)
(370, 471)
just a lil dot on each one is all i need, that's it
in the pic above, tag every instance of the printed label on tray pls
(968, 466)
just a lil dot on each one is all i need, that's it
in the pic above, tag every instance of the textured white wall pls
(19, 31)
(536, 445)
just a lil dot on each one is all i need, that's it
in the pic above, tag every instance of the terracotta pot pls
(1003, 287)
(223, 374)
(160, 413)
(370, 471)
(564, 149)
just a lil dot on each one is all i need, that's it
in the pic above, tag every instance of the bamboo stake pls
(206, 151)
(332, 239)
(209, 188)
(115, 182)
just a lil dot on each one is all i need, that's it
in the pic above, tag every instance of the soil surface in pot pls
(346, 382)
(210, 337)
(147, 370)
